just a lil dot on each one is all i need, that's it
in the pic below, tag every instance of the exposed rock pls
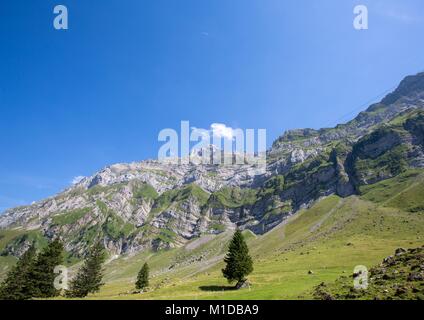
(242, 285)
(400, 251)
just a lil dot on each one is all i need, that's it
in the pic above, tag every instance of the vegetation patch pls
(273, 185)
(411, 200)
(384, 190)
(144, 191)
(232, 198)
(218, 227)
(104, 189)
(387, 165)
(179, 195)
(70, 217)
(166, 236)
(28, 238)
(114, 226)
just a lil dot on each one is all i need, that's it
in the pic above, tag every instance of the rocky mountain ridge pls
(155, 205)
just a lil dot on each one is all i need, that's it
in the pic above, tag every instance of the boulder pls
(242, 284)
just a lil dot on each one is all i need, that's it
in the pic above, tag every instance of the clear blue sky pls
(75, 101)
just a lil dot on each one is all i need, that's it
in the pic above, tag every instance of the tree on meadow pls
(42, 275)
(90, 276)
(239, 263)
(143, 278)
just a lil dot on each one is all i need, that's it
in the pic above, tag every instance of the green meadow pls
(316, 245)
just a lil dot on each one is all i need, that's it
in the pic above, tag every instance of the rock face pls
(155, 205)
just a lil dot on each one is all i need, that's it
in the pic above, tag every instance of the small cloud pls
(220, 130)
(201, 132)
(205, 34)
(77, 179)
(401, 16)
(397, 12)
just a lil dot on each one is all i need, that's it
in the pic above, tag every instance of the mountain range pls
(151, 204)
(152, 207)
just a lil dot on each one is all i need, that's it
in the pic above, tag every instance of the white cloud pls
(400, 16)
(220, 130)
(202, 132)
(77, 179)
(397, 11)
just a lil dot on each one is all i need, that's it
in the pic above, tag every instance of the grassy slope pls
(329, 239)
(7, 261)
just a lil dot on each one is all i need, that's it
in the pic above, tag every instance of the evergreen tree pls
(17, 285)
(239, 263)
(42, 275)
(90, 275)
(143, 278)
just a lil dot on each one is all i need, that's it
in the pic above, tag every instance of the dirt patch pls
(199, 242)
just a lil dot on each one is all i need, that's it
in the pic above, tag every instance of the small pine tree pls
(42, 275)
(239, 263)
(17, 285)
(90, 275)
(143, 278)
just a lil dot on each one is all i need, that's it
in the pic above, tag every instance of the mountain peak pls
(410, 86)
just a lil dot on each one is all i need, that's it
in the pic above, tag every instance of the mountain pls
(150, 205)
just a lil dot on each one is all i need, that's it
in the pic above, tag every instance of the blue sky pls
(72, 102)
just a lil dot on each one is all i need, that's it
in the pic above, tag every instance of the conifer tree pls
(143, 278)
(239, 263)
(90, 275)
(17, 285)
(42, 275)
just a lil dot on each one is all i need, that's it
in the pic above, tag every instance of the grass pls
(166, 235)
(12, 238)
(218, 227)
(25, 236)
(319, 244)
(179, 195)
(7, 235)
(410, 200)
(114, 226)
(232, 198)
(386, 189)
(329, 239)
(96, 190)
(70, 217)
(145, 191)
